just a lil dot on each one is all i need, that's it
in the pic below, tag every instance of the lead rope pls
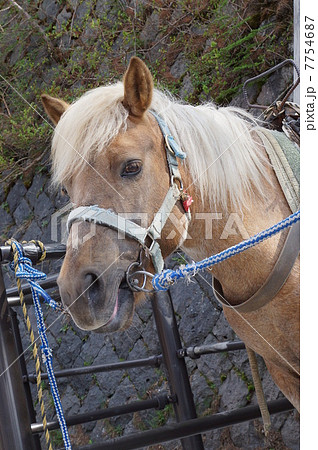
(259, 390)
(23, 269)
(162, 281)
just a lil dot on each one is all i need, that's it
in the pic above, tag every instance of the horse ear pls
(54, 107)
(138, 87)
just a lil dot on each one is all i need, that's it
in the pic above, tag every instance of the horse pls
(108, 149)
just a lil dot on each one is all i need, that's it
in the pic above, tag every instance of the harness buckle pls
(173, 147)
(148, 244)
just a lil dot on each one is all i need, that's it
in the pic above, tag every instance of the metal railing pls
(21, 429)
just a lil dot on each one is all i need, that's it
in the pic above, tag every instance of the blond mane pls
(222, 157)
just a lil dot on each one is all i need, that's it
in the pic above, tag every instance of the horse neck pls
(242, 275)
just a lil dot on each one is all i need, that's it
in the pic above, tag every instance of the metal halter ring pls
(133, 282)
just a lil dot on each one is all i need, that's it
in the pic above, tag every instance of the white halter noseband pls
(147, 237)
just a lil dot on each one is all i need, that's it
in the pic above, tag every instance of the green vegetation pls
(249, 383)
(5, 206)
(221, 43)
(113, 430)
(95, 380)
(234, 46)
(223, 377)
(160, 418)
(212, 386)
(64, 328)
(179, 259)
(56, 438)
(154, 420)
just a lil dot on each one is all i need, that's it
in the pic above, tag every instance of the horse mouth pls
(121, 316)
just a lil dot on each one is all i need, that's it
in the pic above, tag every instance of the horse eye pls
(131, 168)
(64, 191)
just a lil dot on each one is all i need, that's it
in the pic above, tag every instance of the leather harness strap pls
(289, 183)
(274, 281)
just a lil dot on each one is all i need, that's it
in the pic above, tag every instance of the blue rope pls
(29, 273)
(163, 280)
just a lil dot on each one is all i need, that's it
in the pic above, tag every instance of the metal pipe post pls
(202, 425)
(26, 385)
(48, 283)
(152, 361)
(15, 426)
(158, 402)
(177, 371)
(33, 251)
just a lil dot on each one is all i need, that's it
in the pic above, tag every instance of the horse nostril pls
(92, 287)
(90, 278)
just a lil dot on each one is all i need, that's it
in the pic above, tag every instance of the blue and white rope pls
(163, 280)
(29, 273)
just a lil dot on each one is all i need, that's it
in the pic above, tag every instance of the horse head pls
(108, 150)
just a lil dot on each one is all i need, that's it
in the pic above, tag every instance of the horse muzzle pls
(100, 304)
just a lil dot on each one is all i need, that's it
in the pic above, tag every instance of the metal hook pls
(264, 74)
(133, 283)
